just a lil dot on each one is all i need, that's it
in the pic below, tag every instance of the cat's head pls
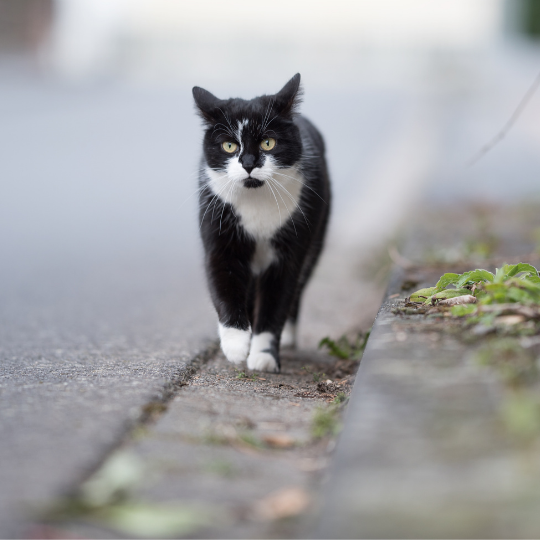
(247, 140)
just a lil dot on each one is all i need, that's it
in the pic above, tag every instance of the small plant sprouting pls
(317, 376)
(341, 397)
(483, 297)
(345, 349)
(326, 421)
(244, 375)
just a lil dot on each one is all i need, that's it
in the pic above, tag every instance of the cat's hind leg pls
(288, 335)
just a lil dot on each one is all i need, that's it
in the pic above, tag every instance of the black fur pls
(263, 302)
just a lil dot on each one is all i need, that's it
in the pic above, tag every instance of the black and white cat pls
(264, 204)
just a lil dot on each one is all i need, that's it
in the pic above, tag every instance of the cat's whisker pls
(198, 191)
(292, 199)
(233, 185)
(222, 127)
(268, 123)
(266, 114)
(285, 204)
(303, 183)
(220, 200)
(214, 198)
(277, 204)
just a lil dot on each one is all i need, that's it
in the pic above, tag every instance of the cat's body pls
(264, 204)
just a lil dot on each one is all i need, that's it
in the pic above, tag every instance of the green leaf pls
(422, 294)
(333, 348)
(521, 415)
(461, 311)
(448, 293)
(154, 520)
(451, 293)
(516, 269)
(447, 279)
(121, 472)
(532, 279)
(474, 276)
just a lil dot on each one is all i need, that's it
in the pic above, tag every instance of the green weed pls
(317, 376)
(341, 397)
(344, 348)
(512, 284)
(326, 421)
(516, 365)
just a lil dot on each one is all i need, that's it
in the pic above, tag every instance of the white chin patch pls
(234, 343)
(288, 336)
(259, 358)
(264, 210)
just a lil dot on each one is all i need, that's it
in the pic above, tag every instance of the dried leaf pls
(278, 440)
(459, 300)
(282, 504)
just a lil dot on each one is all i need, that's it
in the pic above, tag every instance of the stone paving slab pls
(424, 452)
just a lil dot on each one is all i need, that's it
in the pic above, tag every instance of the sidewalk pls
(433, 444)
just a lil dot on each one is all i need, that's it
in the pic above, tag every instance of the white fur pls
(234, 343)
(263, 257)
(262, 211)
(259, 359)
(288, 335)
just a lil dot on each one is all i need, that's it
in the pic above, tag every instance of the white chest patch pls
(263, 210)
(264, 256)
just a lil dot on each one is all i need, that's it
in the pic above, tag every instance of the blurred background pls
(100, 144)
(102, 292)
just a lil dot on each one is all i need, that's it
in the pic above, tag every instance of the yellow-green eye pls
(268, 143)
(229, 147)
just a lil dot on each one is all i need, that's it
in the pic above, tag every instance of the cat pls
(264, 194)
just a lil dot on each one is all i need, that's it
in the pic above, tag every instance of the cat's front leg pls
(229, 279)
(235, 343)
(276, 292)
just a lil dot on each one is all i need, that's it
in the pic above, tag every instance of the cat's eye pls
(229, 147)
(268, 143)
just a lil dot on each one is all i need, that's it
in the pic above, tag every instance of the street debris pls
(282, 504)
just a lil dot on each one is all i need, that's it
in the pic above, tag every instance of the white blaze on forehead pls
(241, 125)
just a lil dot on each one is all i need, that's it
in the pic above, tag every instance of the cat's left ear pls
(207, 103)
(289, 97)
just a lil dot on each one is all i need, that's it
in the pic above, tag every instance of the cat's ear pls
(207, 103)
(289, 97)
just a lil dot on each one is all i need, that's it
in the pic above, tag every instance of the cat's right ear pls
(207, 104)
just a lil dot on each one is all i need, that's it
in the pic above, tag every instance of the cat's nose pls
(248, 162)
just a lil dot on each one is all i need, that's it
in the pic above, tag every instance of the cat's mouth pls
(250, 182)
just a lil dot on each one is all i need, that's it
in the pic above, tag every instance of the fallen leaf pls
(509, 320)
(282, 504)
(122, 471)
(155, 520)
(458, 300)
(278, 440)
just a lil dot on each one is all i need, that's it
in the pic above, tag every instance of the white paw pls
(234, 343)
(262, 361)
(260, 357)
(288, 336)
